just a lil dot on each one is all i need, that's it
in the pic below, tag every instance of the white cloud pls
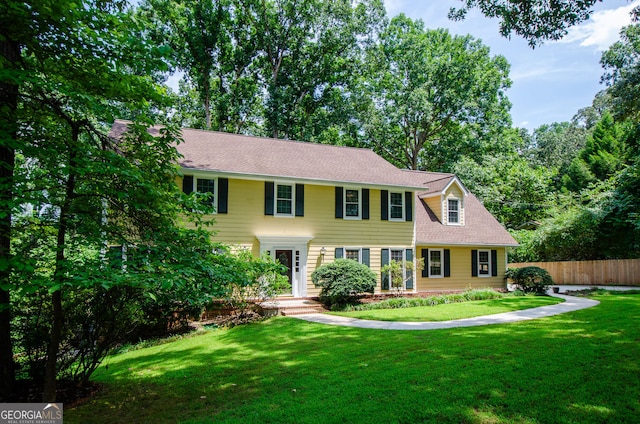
(603, 29)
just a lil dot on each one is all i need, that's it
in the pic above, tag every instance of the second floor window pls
(396, 206)
(352, 203)
(284, 199)
(206, 186)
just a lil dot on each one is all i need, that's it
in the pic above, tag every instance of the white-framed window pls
(352, 203)
(484, 263)
(284, 199)
(436, 263)
(207, 185)
(453, 211)
(353, 253)
(396, 206)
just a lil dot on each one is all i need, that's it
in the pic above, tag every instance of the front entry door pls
(285, 257)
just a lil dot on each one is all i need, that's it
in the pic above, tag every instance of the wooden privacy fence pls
(614, 272)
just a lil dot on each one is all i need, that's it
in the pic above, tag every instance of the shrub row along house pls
(307, 204)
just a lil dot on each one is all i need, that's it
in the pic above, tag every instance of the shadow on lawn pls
(578, 367)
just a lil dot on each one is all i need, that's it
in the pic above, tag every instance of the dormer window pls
(453, 211)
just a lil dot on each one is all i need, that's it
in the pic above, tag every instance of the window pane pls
(435, 262)
(351, 210)
(284, 191)
(205, 186)
(351, 196)
(483, 262)
(353, 254)
(396, 209)
(397, 255)
(284, 206)
(453, 211)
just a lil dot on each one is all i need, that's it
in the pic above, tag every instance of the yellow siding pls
(461, 271)
(435, 204)
(245, 221)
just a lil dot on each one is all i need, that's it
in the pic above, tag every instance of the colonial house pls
(307, 204)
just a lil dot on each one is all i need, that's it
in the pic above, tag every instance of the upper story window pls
(396, 206)
(352, 202)
(453, 211)
(284, 199)
(218, 189)
(207, 186)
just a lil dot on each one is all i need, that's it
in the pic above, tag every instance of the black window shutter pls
(339, 200)
(408, 254)
(299, 199)
(384, 205)
(187, 184)
(365, 203)
(385, 275)
(366, 257)
(408, 206)
(339, 253)
(494, 263)
(425, 257)
(447, 263)
(474, 263)
(223, 195)
(268, 197)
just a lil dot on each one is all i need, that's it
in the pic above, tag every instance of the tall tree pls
(431, 95)
(23, 27)
(622, 73)
(78, 66)
(534, 20)
(309, 50)
(215, 46)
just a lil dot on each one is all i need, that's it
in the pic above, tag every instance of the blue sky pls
(553, 81)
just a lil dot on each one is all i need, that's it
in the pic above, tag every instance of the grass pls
(579, 367)
(450, 311)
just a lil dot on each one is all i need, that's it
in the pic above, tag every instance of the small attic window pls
(453, 211)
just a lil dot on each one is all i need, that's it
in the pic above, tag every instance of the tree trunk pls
(50, 371)
(10, 54)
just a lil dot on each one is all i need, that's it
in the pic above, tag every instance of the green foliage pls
(430, 96)
(410, 302)
(530, 279)
(343, 281)
(622, 72)
(514, 192)
(535, 21)
(401, 272)
(249, 280)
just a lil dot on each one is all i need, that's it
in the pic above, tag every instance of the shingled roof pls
(258, 157)
(480, 227)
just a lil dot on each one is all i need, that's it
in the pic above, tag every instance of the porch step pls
(302, 310)
(293, 307)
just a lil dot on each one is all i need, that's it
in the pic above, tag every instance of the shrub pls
(343, 281)
(530, 279)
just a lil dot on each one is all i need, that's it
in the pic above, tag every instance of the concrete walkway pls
(570, 304)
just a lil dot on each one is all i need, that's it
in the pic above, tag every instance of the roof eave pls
(314, 181)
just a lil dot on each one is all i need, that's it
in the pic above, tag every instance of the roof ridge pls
(285, 140)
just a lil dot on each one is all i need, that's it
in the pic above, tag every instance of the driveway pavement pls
(570, 304)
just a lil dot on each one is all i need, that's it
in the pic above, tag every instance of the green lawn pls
(580, 367)
(445, 312)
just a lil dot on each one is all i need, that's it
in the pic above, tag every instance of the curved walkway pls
(570, 304)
